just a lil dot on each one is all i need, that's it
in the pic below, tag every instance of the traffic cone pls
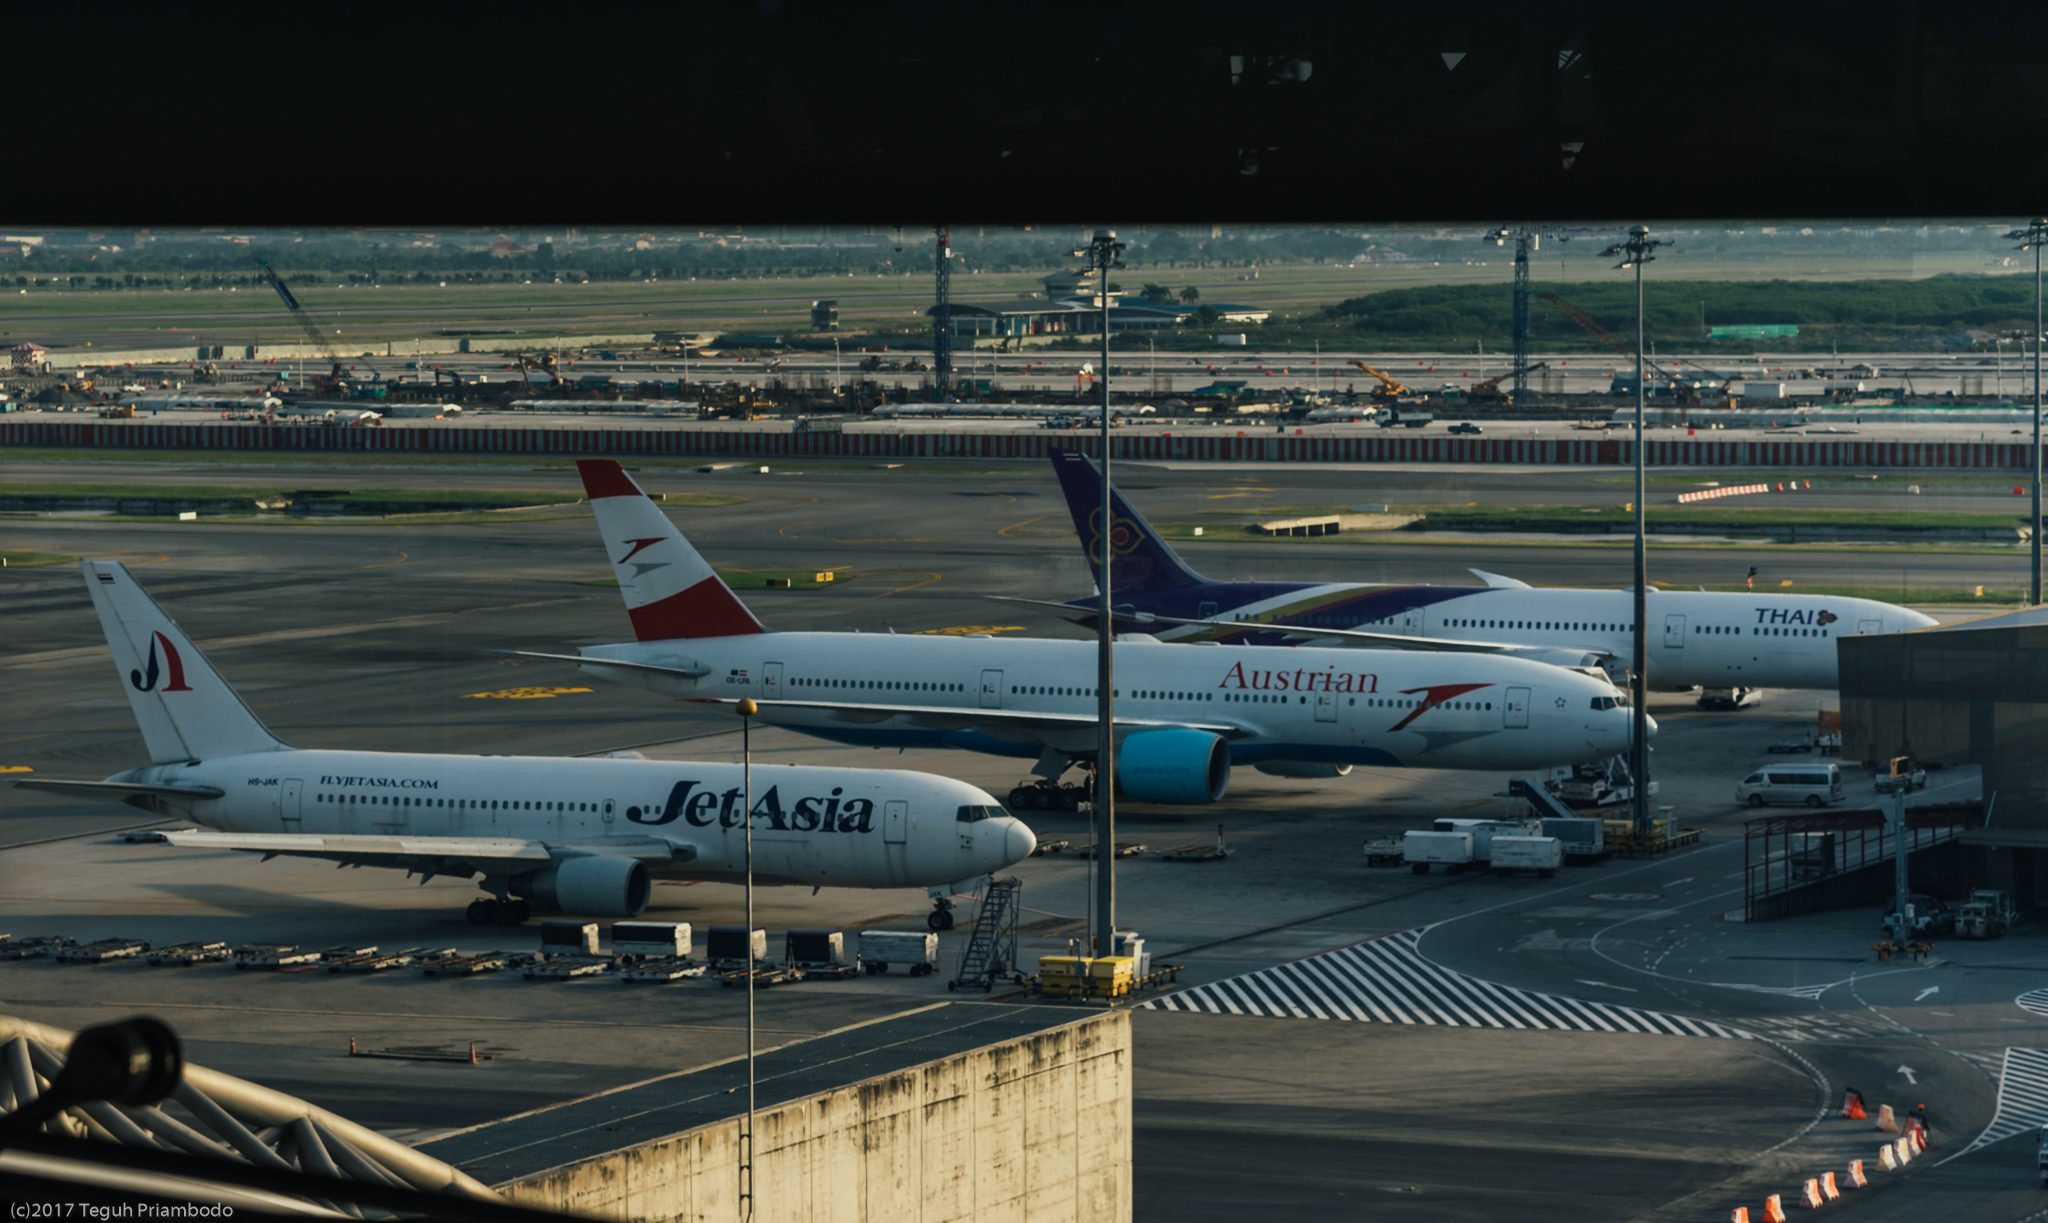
(472, 1053)
(1918, 1138)
(1856, 1178)
(1774, 1210)
(1852, 1106)
(1809, 1194)
(1886, 1123)
(1828, 1190)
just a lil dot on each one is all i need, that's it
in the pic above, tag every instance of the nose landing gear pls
(1047, 796)
(941, 915)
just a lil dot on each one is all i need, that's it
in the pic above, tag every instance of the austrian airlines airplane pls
(1186, 713)
(1714, 639)
(547, 834)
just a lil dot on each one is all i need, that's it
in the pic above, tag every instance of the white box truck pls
(1484, 831)
(1542, 855)
(916, 951)
(1422, 849)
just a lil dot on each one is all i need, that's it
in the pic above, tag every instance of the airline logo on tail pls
(641, 568)
(145, 681)
(1124, 536)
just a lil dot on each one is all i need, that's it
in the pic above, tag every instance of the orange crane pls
(1388, 387)
(1683, 387)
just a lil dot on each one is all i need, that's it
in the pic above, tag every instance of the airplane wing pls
(428, 855)
(119, 791)
(693, 672)
(1399, 641)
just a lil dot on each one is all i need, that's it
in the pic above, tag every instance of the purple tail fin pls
(1139, 559)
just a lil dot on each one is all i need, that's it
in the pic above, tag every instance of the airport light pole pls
(1637, 251)
(747, 709)
(1104, 253)
(2031, 239)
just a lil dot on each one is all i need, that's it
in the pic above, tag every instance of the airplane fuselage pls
(812, 826)
(1337, 706)
(1711, 638)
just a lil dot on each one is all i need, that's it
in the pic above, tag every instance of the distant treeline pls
(1939, 311)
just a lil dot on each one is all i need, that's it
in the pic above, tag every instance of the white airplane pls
(1714, 639)
(1186, 714)
(547, 834)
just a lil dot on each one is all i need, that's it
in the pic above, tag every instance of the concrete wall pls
(1150, 444)
(1037, 1128)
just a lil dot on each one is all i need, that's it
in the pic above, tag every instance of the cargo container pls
(1424, 849)
(568, 937)
(734, 946)
(819, 948)
(917, 952)
(1484, 831)
(1542, 855)
(636, 940)
(1581, 838)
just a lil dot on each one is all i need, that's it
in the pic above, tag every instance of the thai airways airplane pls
(1708, 638)
(1186, 713)
(547, 834)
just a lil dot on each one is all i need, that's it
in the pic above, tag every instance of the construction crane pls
(1490, 389)
(1527, 240)
(334, 382)
(1388, 388)
(545, 362)
(942, 314)
(1682, 387)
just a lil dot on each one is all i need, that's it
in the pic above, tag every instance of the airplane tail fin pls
(1139, 559)
(185, 709)
(670, 590)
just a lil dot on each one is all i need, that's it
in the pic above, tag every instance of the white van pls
(1816, 785)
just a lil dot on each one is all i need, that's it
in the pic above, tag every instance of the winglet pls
(670, 591)
(1497, 582)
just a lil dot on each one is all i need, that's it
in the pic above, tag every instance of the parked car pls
(1466, 426)
(1931, 915)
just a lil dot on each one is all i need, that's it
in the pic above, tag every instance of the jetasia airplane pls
(547, 834)
(1187, 713)
(1710, 638)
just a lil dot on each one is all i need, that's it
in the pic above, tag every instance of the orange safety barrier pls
(1828, 1190)
(1856, 1178)
(1887, 1158)
(1774, 1210)
(1852, 1105)
(1886, 1122)
(1917, 1137)
(1809, 1194)
(1739, 1215)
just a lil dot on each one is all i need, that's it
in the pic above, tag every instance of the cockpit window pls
(972, 815)
(1603, 702)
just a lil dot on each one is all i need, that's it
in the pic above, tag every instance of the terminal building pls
(1974, 693)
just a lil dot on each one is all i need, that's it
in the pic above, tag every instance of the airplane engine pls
(1564, 656)
(607, 886)
(1173, 766)
(1303, 768)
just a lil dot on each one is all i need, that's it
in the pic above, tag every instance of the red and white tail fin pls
(670, 591)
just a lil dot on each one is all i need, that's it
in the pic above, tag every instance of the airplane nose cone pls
(1018, 842)
(1649, 726)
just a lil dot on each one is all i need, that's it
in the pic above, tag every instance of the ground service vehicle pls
(1906, 776)
(1467, 427)
(915, 952)
(1727, 698)
(1813, 785)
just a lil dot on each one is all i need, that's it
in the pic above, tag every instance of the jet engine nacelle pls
(1577, 660)
(609, 886)
(1173, 766)
(1303, 768)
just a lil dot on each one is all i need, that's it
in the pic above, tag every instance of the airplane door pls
(991, 689)
(288, 803)
(1870, 626)
(896, 821)
(1326, 707)
(1516, 711)
(1411, 622)
(771, 680)
(1674, 632)
(606, 815)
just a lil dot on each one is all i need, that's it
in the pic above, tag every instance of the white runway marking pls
(1389, 981)
(2022, 1099)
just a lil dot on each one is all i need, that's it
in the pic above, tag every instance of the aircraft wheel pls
(1023, 798)
(940, 919)
(483, 912)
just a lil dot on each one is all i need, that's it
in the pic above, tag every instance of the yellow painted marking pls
(969, 630)
(15, 768)
(521, 694)
(402, 558)
(784, 531)
(1005, 531)
(1243, 492)
(927, 580)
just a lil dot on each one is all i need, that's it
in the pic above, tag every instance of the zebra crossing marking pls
(2022, 1099)
(1813, 1028)
(1389, 980)
(2034, 1000)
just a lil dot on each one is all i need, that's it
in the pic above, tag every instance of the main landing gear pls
(1047, 796)
(942, 914)
(488, 912)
